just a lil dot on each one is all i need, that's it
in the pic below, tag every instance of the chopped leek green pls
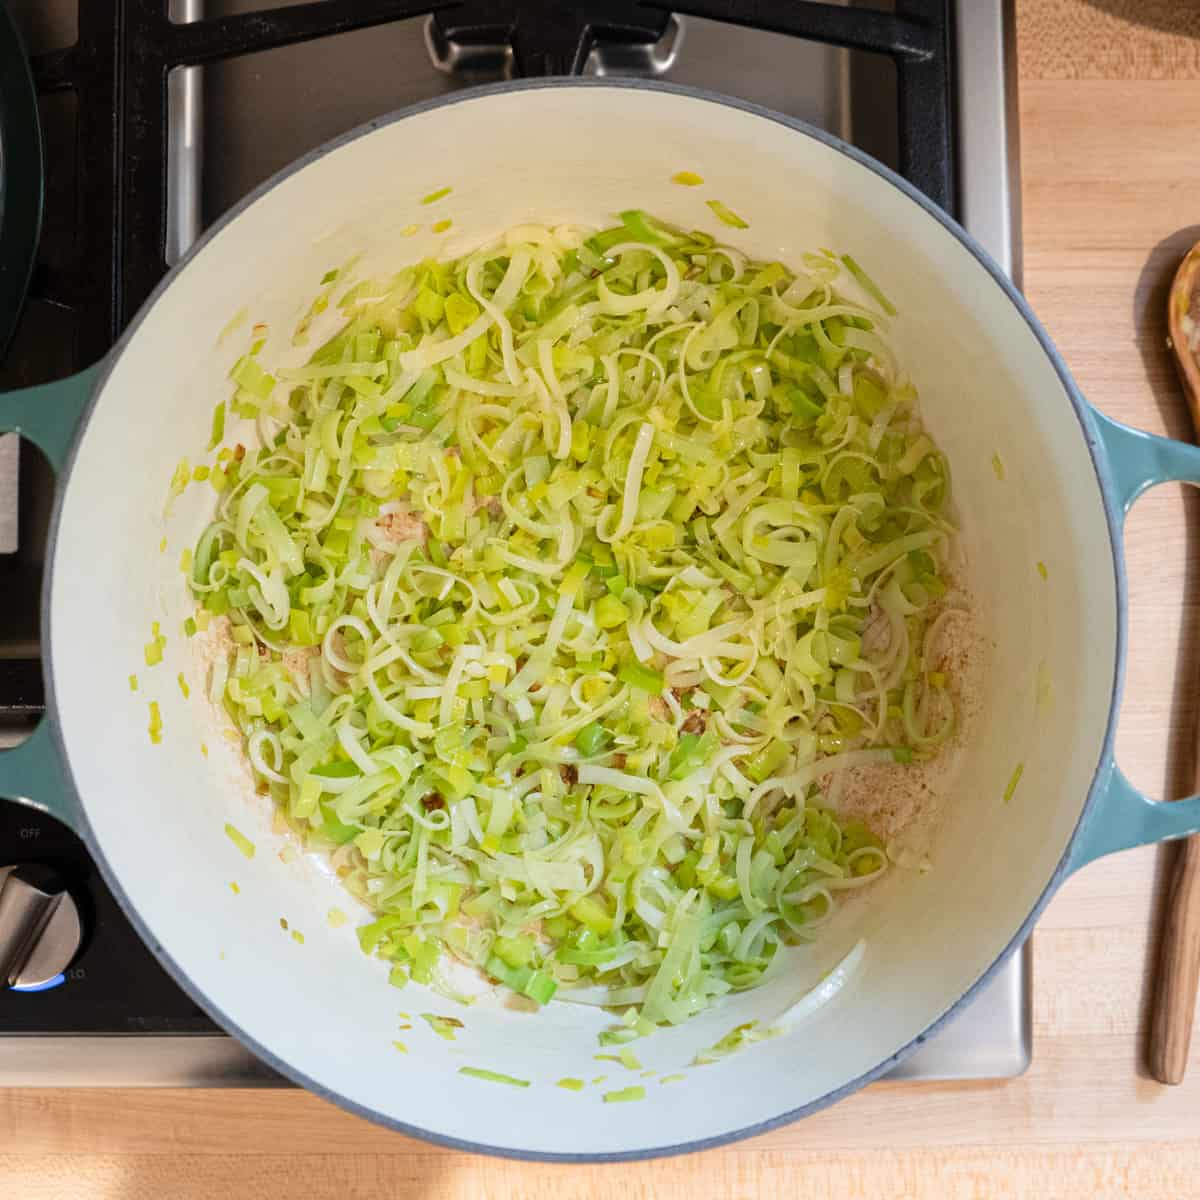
(535, 985)
(1013, 780)
(218, 426)
(240, 840)
(493, 1076)
(251, 378)
(590, 740)
(571, 1085)
(737, 1038)
(637, 1092)
(565, 583)
(726, 215)
(634, 674)
(180, 478)
(444, 1027)
(152, 652)
(868, 285)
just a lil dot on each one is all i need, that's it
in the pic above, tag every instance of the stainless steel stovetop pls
(233, 124)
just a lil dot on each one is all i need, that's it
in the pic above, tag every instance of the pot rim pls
(1096, 452)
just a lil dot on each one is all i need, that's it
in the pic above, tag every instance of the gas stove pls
(158, 120)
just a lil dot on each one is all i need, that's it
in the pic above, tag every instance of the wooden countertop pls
(1109, 110)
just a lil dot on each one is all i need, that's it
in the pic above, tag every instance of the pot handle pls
(48, 414)
(1121, 816)
(34, 772)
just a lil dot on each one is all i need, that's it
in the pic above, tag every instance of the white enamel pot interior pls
(155, 814)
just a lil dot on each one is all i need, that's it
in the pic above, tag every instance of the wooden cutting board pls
(1109, 114)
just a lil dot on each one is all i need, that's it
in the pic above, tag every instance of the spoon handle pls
(1174, 1001)
(1173, 1004)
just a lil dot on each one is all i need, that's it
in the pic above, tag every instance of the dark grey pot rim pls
(1081, 408)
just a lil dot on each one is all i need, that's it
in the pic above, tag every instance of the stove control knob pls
(39, 926)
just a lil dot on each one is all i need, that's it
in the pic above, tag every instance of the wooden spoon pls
(1174, 1000)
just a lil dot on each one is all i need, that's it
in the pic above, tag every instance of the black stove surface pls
(114, 985)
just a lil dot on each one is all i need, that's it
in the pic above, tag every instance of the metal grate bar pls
(199, 42)
(855, 28)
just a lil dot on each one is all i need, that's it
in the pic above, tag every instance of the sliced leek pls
(560, 581)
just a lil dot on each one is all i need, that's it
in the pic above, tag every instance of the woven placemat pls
(1108, 39)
